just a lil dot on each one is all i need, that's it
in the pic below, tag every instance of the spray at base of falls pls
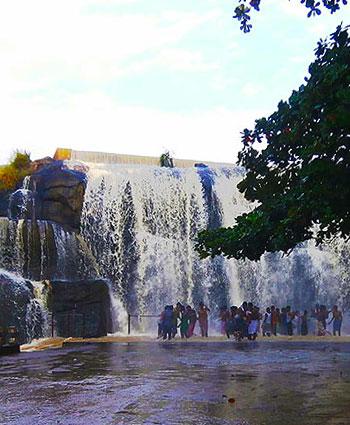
(140, 223)
(119, 316)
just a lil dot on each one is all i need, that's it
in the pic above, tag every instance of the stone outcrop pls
(59, 194)
(54, 192)
(81, 308)
(40, 163)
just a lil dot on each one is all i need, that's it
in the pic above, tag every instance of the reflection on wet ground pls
(166, 383)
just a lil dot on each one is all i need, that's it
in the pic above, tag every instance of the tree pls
(14, 172)
(297, 165)
(242, 11)
(166, 160)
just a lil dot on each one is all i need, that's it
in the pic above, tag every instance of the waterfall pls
(140, 223)
(138, 228)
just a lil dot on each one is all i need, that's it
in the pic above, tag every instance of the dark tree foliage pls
(300, 180)
(242, 11)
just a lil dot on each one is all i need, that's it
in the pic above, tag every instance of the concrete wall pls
(113, 158)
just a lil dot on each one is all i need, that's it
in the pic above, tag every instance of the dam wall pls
(113, 158)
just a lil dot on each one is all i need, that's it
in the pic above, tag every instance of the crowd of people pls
(248, 321)
(184, 319)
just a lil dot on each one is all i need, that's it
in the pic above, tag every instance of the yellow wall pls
(62, 154)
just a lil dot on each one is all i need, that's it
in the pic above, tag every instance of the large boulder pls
(54, 192)
(59, 193)
(40, 163)
(19, 308)
(81, 308)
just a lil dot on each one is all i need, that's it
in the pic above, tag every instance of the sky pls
(142, 77)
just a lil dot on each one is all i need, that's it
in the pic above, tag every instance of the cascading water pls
(38, 249)
(138, 228)
(140, 223)
(20, 308)
(22, 202)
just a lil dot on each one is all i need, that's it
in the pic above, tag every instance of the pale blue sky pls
(138, 77)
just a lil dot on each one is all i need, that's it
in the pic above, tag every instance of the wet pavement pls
(222, 383)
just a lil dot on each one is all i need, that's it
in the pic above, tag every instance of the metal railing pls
(69, 320)
(139, 316)
(69, 317)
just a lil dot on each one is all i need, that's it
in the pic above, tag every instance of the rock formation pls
(81, 308)
(54, 193)
(59, 194)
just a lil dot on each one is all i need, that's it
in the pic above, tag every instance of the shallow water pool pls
(169, 383)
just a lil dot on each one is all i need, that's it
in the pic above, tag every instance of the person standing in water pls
(184, 323)
(297, 322)
(290, 317)
(203, 319)
(253, 327)
(191, 312)
(176, 317)
(304, 324)
(274, 320)
(230, 324)
(283, 321)
(168, 322)
(337, 320)
(322, 316)
(267, 321)
(224, 315)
